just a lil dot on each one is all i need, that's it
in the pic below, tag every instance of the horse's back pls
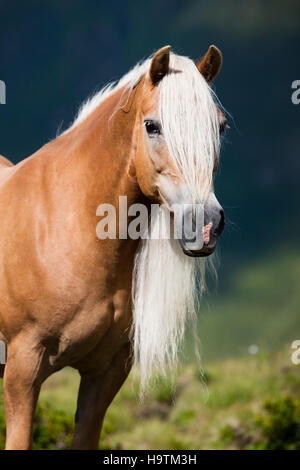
(5, 166)
(4, 162)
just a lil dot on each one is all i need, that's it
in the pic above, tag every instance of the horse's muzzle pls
(214, 226)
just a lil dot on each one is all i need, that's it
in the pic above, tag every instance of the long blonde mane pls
(167, 284)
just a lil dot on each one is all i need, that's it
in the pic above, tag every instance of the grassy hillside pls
(249, 402)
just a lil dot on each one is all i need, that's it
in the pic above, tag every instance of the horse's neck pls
(89, 166)
(97, 152)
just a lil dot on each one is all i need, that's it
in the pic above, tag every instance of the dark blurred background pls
(54, 54)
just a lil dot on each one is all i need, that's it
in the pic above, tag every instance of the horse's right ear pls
(159, 65)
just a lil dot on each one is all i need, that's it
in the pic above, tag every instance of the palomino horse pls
(71, 299)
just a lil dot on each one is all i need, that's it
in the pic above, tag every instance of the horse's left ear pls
(209, 66)
(159, 65)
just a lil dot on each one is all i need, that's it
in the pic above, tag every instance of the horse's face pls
(161, 177)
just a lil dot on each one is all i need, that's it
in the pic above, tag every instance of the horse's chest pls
(96, 332)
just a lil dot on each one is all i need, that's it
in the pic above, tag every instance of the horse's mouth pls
(203, 253)
(208, 247)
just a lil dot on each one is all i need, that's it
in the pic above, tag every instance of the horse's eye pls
(152, 127)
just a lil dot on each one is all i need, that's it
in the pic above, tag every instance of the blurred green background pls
(54, 54)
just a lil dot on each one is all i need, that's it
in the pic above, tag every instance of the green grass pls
(242, 406)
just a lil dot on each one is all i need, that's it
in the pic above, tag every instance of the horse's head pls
(179, 127)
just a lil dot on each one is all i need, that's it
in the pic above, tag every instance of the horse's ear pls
(209, 66)
(160, 64)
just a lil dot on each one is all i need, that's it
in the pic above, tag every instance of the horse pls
(69, 298)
